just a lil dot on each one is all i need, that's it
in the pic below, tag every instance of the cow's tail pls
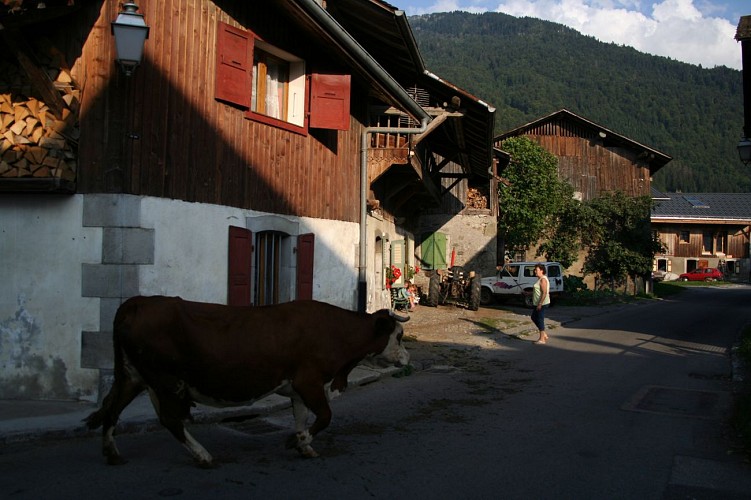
(96, 419)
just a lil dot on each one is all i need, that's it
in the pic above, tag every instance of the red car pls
(705, 274)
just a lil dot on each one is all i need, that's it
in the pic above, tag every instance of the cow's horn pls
(398, 317)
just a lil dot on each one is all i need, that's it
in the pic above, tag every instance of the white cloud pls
(680, 29)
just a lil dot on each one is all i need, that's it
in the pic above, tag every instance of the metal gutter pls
(345, 41)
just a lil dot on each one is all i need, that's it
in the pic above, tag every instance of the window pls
(554, 272)
(268, 250)
(721, 243)
(271, 84)
(277, 86)
(269, 265)
(684, 236)
(707, 241)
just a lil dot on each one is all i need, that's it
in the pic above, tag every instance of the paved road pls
(629, 404)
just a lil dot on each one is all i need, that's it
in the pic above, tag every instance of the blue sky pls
(692, 31)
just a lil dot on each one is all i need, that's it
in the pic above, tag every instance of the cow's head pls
(388, 323)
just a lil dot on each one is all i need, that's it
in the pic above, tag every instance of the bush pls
(573, 284)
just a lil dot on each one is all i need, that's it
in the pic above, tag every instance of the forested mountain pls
(528, 68)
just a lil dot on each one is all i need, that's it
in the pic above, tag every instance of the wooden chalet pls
(261, 152)
(700, 230)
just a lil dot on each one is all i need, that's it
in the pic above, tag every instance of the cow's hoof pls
(116, 460)
(307, 451)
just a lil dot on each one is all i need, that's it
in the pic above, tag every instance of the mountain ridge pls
(529, 68)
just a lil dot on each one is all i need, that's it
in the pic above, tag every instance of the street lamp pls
(744, 150)
(130, 33)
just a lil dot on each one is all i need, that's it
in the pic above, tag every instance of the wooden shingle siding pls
(168, 136)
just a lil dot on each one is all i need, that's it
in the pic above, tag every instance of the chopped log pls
(31, 122)
(20, 112)
(36, 135)
(18, 127)
(12, 155)
(36, 154)
(13, 172)
(5, 145)
(51, 162)
(49, 143)
(42, 172)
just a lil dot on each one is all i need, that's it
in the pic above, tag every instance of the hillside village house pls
(261, 152)
(700, 230)
(592, 158)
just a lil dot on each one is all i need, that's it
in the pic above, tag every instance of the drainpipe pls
(362, 275)
(339, 36)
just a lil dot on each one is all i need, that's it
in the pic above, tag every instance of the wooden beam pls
(38, 78)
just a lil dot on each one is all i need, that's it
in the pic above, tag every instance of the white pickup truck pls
(517, 279)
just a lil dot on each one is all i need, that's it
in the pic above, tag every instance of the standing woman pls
(541, 300)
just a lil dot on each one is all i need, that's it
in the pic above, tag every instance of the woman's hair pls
(541, 268)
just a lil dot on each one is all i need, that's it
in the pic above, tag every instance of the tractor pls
(454, 286)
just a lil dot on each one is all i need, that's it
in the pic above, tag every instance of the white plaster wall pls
(335, 261)
(42, 312)
(190, 248)
(473, 236)
(191, 252)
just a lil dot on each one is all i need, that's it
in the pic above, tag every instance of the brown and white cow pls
(184, 352)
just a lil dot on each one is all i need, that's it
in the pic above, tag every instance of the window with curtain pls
(270, 88)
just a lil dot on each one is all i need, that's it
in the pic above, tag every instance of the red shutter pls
(329, 101)
(240, 258)
(305, 252)
(234, 62)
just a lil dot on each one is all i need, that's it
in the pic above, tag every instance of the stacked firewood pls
(34, 141)
(475, 199)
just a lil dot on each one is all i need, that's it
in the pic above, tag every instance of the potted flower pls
(393, 273)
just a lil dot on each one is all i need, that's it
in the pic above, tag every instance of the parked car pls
(516, 279)
(702, 274)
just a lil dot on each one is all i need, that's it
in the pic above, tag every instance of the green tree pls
(533, 201)
(619, 238)
(565, 238)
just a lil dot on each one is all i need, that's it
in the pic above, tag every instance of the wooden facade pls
(590, 157)
(164, 133)
(175, 140)
(700, 230)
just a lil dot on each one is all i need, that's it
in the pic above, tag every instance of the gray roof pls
(703, 206)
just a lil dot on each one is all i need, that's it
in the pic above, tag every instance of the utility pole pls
(743, 35)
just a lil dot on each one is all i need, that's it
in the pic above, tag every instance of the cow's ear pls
(384, 325)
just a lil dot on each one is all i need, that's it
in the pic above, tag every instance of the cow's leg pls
(124, 389)
(127, 393)
(172, 410)
(309, 397)
(301, 439)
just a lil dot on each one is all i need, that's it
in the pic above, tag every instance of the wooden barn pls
(700, 230)
(259, 153)
(592, 158)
